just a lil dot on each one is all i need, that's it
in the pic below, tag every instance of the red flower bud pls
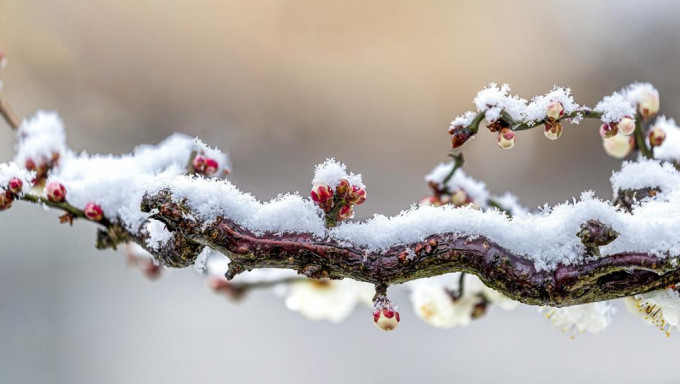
(322, 194)
(205, 165)
(386, 319)
(346, 212)
(93, 212)
(430, 200)
(459, 137)
(15, 185)
(357, 196)
(608, 130)
(30, 164)
(55, 192)
(5, 200)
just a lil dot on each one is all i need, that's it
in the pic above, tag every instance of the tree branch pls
(609, 277)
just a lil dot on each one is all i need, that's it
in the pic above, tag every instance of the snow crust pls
(475, 189)
(39, 137)
(331, 172)
(614, 108)
(8, 171)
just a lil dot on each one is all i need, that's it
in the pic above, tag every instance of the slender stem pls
(586, 113)
(8, 114)
(64, 206)
(640, 138)
(458, 161)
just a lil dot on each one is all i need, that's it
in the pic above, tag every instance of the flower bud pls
(5, 200)
(553, 131)
(618, 146)
(205, 165)
(459, 137)
(93, 212)
(30, 164)
(459, 197)
(15, 185)
(626, 126)
(431, 201)
(554, 111)
(608, 130)
(322, 194)
(386, 319)
(648, 104)
(506, 138)
(357, 195)
(656, 136)
(55, 192)
(343, 189)
(346, 212)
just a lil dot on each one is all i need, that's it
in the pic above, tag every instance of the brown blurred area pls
(281, 85)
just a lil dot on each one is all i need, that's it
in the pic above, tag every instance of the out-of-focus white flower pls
(593, 317)
(659, 308)
(434, 302)
(331, 300)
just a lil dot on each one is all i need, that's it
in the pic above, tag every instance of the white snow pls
(159, 235)
(475, 189)
(463, 120)
(614, 108)
(331, 172)
(493, 99)
(637, 92)
(536, 110)
(670, 148)
(39, 137)
(8, 171)
(646, 173)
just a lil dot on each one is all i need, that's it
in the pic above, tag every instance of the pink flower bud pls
(150, 269)
(648, 105)
(5, 200)
(618, 146)
(55, 192)
(386, 319)
(205, 165)
(15, 185)
(554, 111)
(506, 138)
(656, 136)
(30, 164)
(357, 195)
(553, 131)
(346, 212)
(608, 130)
(459, 137)
(93, 212)
(322, 194)
(626, 126)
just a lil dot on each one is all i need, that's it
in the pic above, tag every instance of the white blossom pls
(593, 317)
(331, 300)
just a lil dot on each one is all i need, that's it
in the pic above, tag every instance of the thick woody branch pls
(595, 279)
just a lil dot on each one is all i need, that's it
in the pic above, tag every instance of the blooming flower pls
(331, 300)
(593, 317)
(659, 308)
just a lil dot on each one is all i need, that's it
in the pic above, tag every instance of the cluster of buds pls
(205, 166)
(617, 137)
(93, 212)
(55, 192)
(338, 204)
(656, 136)
(552, 127)
(457, 197)
(385, 315)
(41, 166)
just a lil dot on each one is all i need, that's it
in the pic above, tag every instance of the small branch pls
(639, 135)
(8, 114)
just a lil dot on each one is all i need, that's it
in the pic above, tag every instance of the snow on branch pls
(459, 250)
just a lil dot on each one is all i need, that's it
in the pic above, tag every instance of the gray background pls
(281, 85)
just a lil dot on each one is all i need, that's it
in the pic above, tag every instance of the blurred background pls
(280, 85)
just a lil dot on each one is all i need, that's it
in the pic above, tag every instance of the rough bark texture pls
(596, 279)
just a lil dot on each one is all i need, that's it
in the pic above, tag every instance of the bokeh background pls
(282, 84)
